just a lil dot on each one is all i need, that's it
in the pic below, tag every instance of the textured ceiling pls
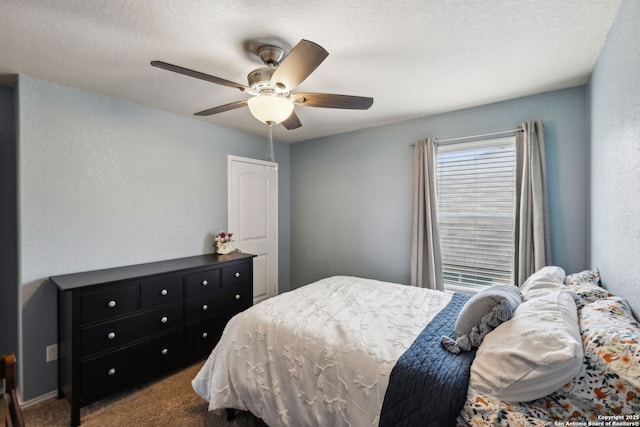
(415, 57)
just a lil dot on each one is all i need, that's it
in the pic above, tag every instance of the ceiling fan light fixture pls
(271, 87)
(270, 109)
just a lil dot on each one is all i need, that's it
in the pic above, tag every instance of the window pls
(476, 211)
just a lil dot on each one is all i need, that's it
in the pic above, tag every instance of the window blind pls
(476, 210)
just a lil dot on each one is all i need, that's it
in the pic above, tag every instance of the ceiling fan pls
(272, 100)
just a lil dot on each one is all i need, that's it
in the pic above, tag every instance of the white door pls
(253, 219)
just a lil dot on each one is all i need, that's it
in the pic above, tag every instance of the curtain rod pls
(482, 135)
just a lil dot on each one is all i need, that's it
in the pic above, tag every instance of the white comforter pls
(318, 355)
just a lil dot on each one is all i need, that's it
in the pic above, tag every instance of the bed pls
(347, 351)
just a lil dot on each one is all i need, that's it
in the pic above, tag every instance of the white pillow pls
(542, 282)
(535, 353)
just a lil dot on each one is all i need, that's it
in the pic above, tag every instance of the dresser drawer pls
(103, 375)
(161, 291)
(205, 281)
(116, 333)
(206, 305)
(102, 305)
(202, 336)
(235, 275)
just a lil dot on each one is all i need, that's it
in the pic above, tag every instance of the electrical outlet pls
(52, 352)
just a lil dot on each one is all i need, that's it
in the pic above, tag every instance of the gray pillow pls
(481, 314)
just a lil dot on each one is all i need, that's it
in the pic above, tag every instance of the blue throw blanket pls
(428, 385)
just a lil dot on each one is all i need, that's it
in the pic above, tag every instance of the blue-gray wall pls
(614, 92)
(105, 183)
(351, 193)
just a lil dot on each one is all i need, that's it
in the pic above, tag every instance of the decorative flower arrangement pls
(223, 242)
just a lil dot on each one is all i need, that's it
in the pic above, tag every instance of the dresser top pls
(77, 280)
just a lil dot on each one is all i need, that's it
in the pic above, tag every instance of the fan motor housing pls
(260, 77)
(260, 81)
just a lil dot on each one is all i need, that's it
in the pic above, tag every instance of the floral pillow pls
(586, 294)
(586, 287)
(610, 376)
(587, 276)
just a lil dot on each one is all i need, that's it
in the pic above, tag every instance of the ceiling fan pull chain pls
(271, 156)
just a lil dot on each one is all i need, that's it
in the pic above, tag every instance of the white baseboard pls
(39, 399)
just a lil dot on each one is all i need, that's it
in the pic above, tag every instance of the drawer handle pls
(164, 292)
(164, 319)
(237, 274)
(237, 296)
(205, 283)
(204, 335)
(205, 307)
(111, 335)
(165, 350)
(111, 371)
(111, 304)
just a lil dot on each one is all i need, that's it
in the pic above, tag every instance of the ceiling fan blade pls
(293, 122)
(222, 108)
(298, 64)
(198, 75)
(329, 100)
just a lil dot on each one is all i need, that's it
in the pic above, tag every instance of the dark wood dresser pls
(120, 327)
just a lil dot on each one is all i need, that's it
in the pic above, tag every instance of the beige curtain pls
(426, 259)
(532, 242)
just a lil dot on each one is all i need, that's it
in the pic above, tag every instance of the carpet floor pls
(168, 402)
